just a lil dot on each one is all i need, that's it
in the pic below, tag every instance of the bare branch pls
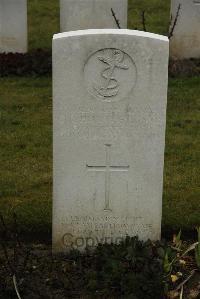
(144, 21)
(175, 22)
(116, 20)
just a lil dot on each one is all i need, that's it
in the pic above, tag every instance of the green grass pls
(26, 152)
(43, 19)
(181, 193)
(157, 15)
(26, 130)
(43, 22)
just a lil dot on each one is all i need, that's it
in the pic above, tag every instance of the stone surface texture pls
(185, 42)
(13, 26)
(109, 97)
(92, 14)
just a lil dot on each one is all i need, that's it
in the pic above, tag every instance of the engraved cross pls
(108, 169)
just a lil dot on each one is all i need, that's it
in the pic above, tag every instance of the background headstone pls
(13, 26)
(91, 14)
(185, 42)
(110, 94)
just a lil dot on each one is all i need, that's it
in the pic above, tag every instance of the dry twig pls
(144, 21)
(180, 286)
(116, 20)
(16, 288)
(175, 22)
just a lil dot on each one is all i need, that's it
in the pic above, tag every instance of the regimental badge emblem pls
(110, 74)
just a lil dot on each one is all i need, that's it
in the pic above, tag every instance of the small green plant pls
(171, 256)
(177, 242)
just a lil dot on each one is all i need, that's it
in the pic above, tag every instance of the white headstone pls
(185, 42)
(110, 94)
(91, 14)
(13, 26)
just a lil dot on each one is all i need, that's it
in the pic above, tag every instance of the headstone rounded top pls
(111, 32)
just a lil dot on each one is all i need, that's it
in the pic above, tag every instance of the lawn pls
(43, 19)
(26, 153)
(26, 181)
(157, 15)
(181, 205)
(26, 130)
